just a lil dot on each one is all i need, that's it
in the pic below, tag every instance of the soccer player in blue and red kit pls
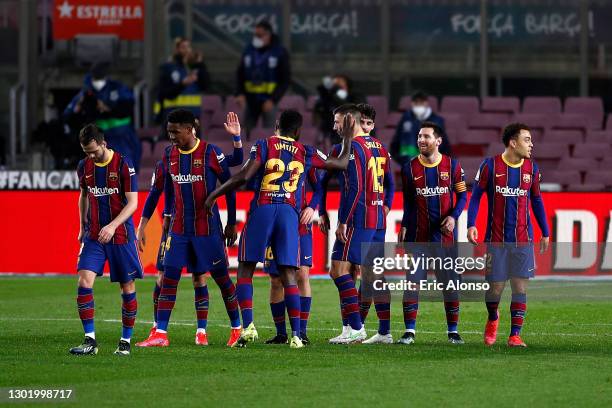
(109, 197)
(232, 126)
(366, 188)
(279, 165)
(511, 181)
(430, 182)
(196, 239)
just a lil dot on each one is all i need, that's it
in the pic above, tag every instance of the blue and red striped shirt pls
(190, 176)
(106, 185)
(509, 189)
(429, 199)
(284, 165)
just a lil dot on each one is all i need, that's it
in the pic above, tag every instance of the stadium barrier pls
(41, 229)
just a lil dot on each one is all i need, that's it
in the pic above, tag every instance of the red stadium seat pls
(311, 102)
(212, 103)
(470, 166)
(232, 106)
(500, 104)
(309, 136)
(591, 107)
(586, 187)
(599, 136)
(479, 136)
(536, 121)
(216, 134)
(573, 163)
(385, 135)
(556, 150)
(542, 104)
(460, 104)
(381, 104)
(571, 137)
(571, 121)
(144, 178)
(406, 103)
(149, 133)
(393, 118)
(261, 133)
(563, 177)
(595, 151)
(494, 121)
(598, 177)
(606, 164)
(292, 102)
(218, 119)
(455, 126)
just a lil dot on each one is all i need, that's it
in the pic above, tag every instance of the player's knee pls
(128, 287)
(86, 279)
(276, 283)
(199, 280)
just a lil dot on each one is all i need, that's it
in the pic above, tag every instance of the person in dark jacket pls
(404, 144)
(182, 80)
(263, 77)
(110, 104)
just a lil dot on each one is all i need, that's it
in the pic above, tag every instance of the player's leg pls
(244, 292)
(381, 298)
(129, 309)
(158, 280)
(450, 296)
(340, 273)
(496, 276)
(292, 302)
(228, 292)
(200, 301)
(303, 282)
(518, 309)
(410, 300)
(90, 264)
(277, 307)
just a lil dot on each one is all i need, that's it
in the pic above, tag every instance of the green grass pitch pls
(568, 361)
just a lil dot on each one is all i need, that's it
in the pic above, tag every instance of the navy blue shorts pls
(274, 225)
(161, 252)
(305, 255)
(199, 253)
(505, 261)
(356, 237)
(123, 260)
(435, 257)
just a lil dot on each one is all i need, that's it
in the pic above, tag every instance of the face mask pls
(98, 84)
(342, 93)
(421, 112)
(258, 42)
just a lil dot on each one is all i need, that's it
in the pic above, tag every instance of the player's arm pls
(232, 126)
(349, 131)
(322, 188)
(129, 185)
(479, 187)
(83, 208)
(460, 190)
(221, 169)
(233, 183)
(537, 204)
(388, 185)
(408, 195)
(313, 181)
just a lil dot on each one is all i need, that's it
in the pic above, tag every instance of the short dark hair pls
(419, 96)
(367, 111)
(512, 131)
(349, 81)
(438, 131)
(348, 108)
(265, 24)
(289, 122)
(182, 117)
(90, 132)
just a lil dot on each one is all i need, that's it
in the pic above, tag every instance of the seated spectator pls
(404, 144)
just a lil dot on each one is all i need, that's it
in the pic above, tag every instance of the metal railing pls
(18, 121)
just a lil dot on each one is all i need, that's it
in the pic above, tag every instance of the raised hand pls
(232, 124)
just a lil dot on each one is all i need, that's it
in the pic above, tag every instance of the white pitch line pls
(193, 324)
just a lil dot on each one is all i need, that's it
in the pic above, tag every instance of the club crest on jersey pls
(112, 176)
(444, 175)
(526, 178)
(197, 163)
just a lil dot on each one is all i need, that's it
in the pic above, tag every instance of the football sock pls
(85, 304)
(129, 308)
(364, 305)
(349, 296)
(518, 308)
(492, 310)
(410, 307)
(343, 314)
(244, 291)
(278, 315)
(156, 291)
(305, 302)
(292, 302)
(451, 307)
(228, 292)
(167, 297)
(383, 312)
(201, 305)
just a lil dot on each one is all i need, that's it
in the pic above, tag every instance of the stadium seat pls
(232, 106)
(500, 104)
(598, 177)
(148, 133)
(587, 187)
(470, 166)
(218, 119)
(385, 135)
(547, 155)
(405, 103)
(311, 101)
(571, 137)
(292, 102)
(606, 164)
(455, 125)
(571, 121)
(598, 136)
(381, 104)
(309, 136)
(144, 178)
(536, 121)
(591, 107)
(212, 103)
(542, 104)
(609, 122)
(261, 133)
(479, 136)
(573, 163)
(216, 134)
(460, 104)
(595, 151)
(563, 177)
(494, 121)
(393, 118)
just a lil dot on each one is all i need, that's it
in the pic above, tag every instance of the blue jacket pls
(264, 73)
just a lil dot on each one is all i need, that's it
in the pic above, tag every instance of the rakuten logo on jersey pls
(510, 192)
(432, 191)
(186, 178)
(102, 191)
